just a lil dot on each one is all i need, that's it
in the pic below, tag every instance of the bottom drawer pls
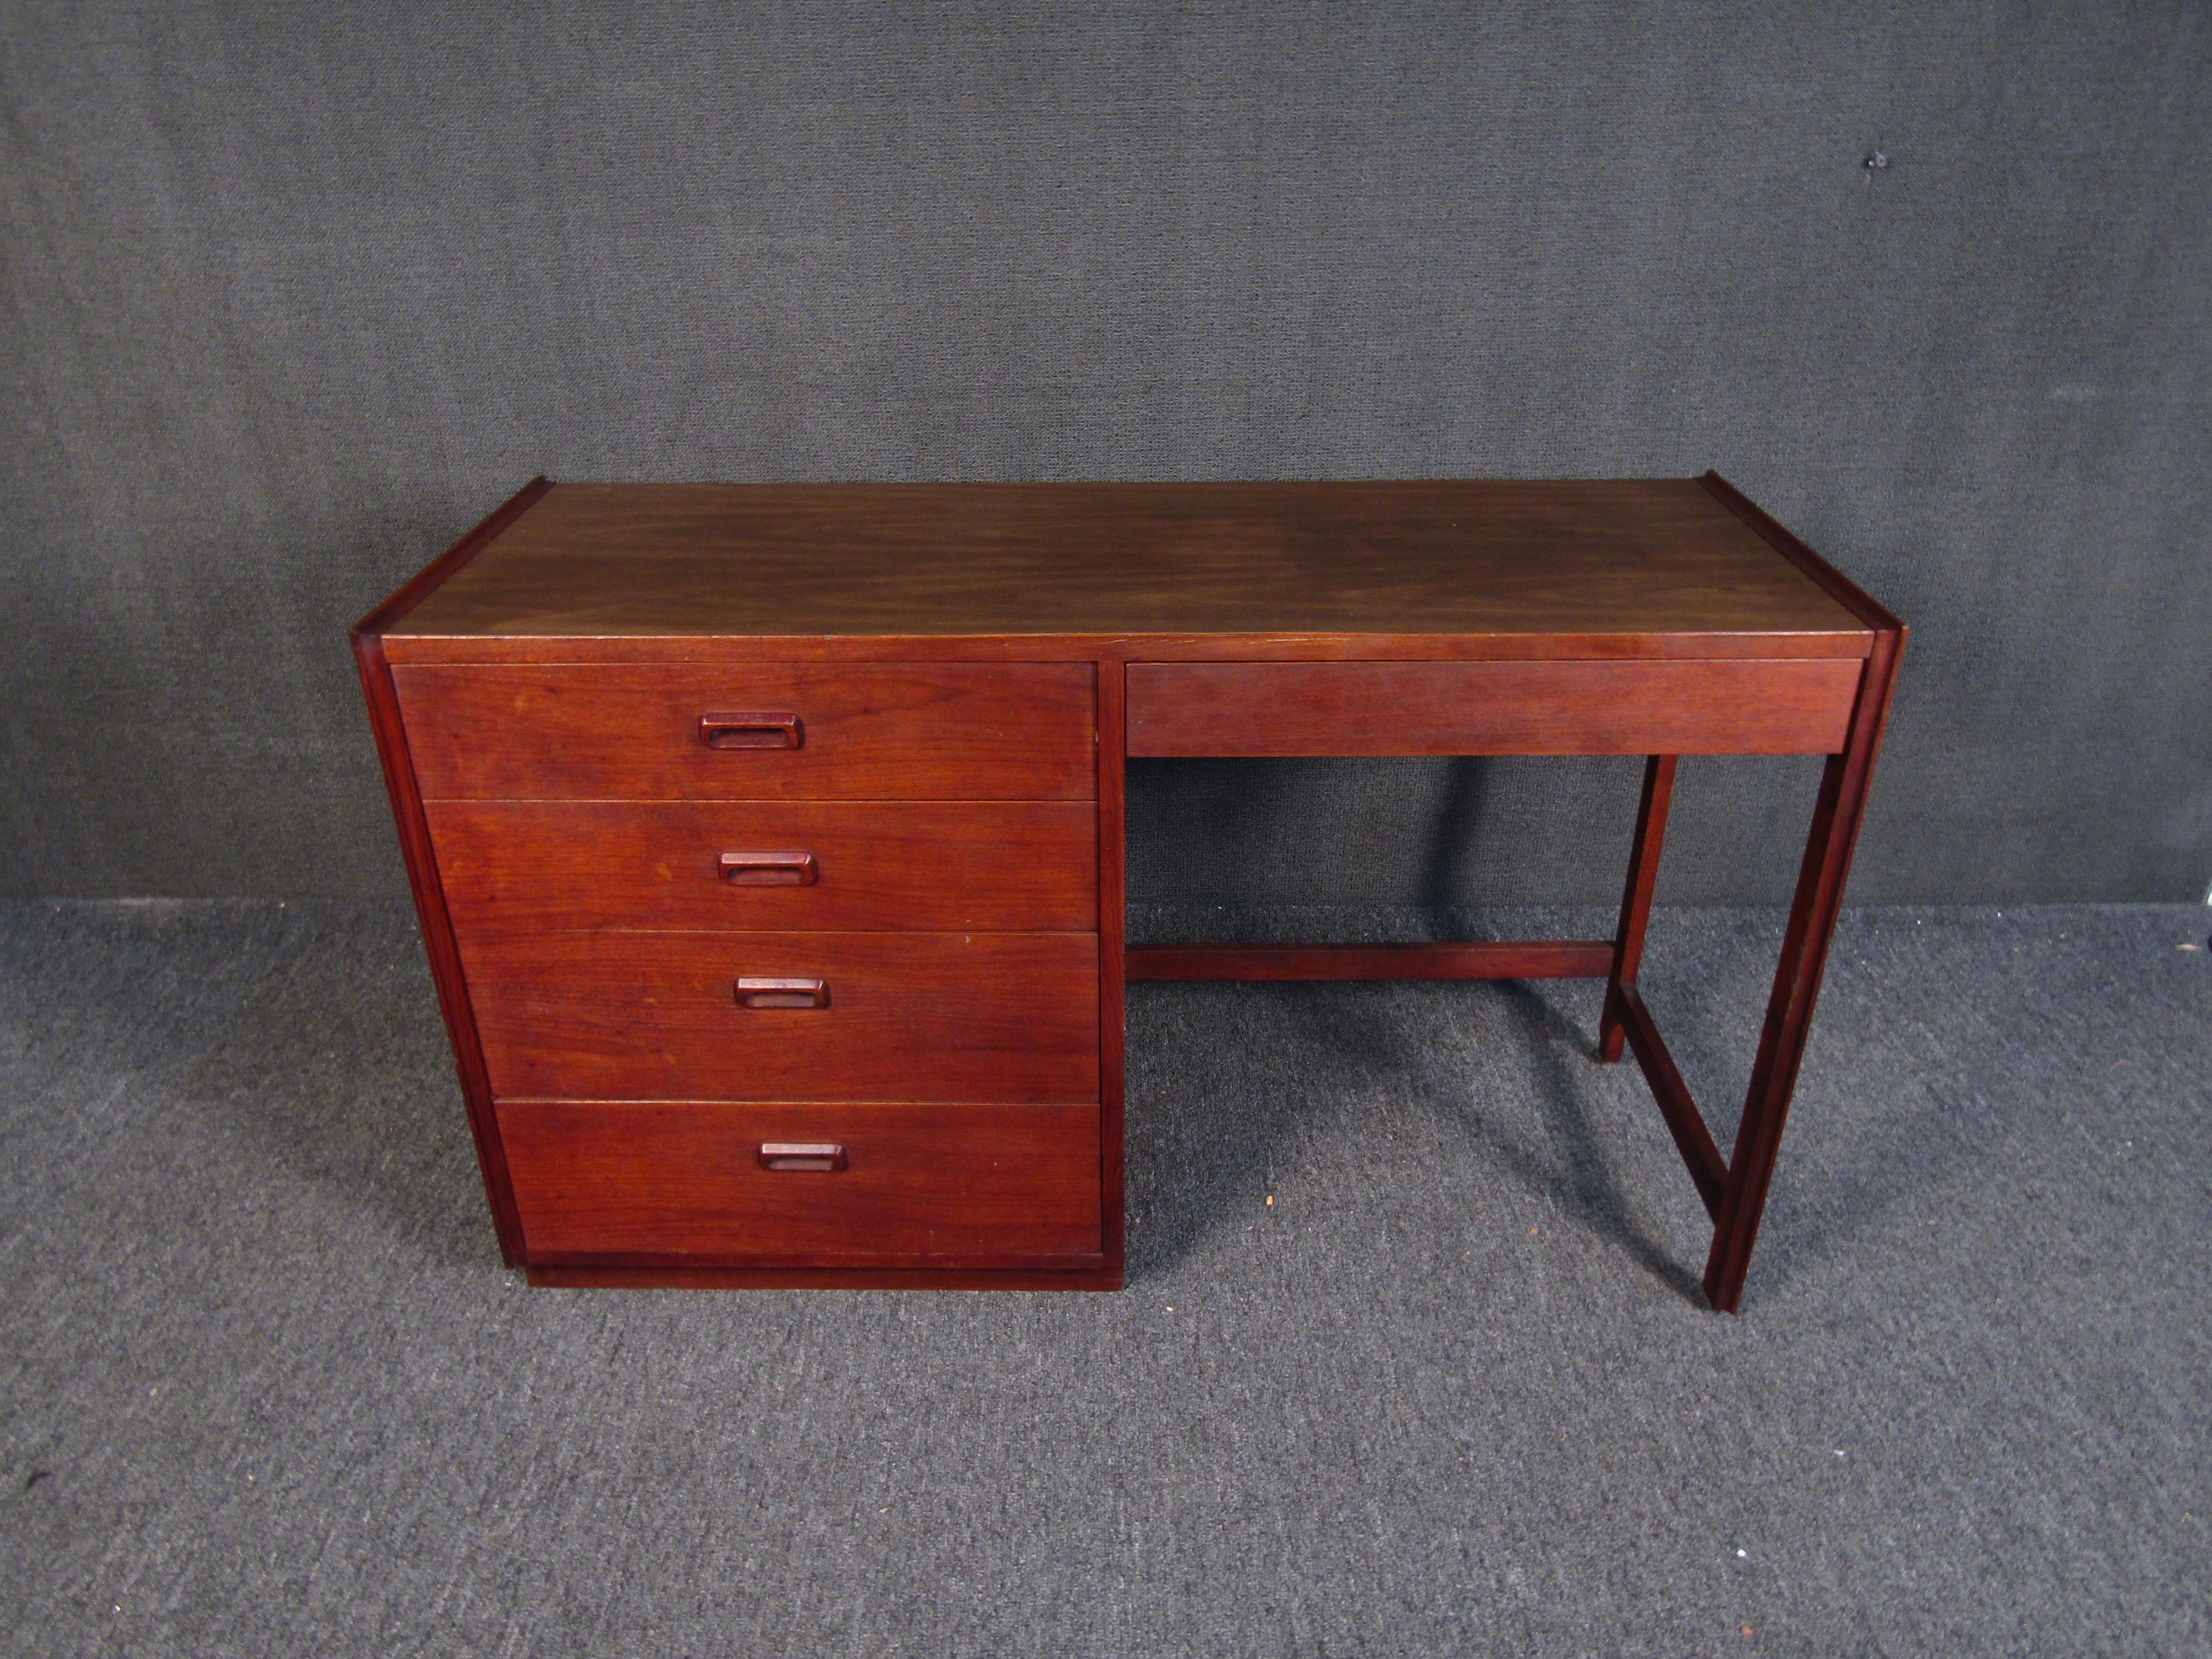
(663, 1181)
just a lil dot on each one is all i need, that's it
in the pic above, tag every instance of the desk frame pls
(1733, 1190)
(1735, 1187)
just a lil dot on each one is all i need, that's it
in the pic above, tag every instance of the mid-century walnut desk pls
(768, 840)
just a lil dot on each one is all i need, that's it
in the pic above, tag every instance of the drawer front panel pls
(904, 1017)
(1750, 707)
(999, 866)
(752, 732)
(949, 1185)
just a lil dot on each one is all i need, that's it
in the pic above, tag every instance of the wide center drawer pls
(752, 732)
(949, 1185)
(1737, 706)
(894, 1016)
(1003, 866)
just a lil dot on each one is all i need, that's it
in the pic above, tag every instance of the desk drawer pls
(752, 732)
(953, 1185)
(903, 1016)
(1001, 867)
(1779, 706)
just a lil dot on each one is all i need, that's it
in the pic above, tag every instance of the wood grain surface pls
(898, 715)
(388, 726)
(1074, 1275)
(1790, 706)
(949, 1185)
(1433, 557)
(911, 1016)
(998, 866)
(882, 732)
(1485, 959)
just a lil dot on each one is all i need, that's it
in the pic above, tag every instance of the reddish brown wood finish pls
(1107, 1277)
(1113, 921)
(1836, 818)
(432, 650)
(1863, 606)
(883, 731)
(1503, 959)
(1790, 706)
(997, 866)
(911, 1016)
(753, 731)
(771, 991)
(789, 868)
(1616, 559)
(392, 752)
(818, 1156)
(1692, 1138)
(431, 576)
(610, 616)
(1636, 901)
(663, 1183)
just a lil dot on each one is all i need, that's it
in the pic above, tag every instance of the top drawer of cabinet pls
(752, 732)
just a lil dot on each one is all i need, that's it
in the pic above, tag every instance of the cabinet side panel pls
(446, 971)
(1113, 969)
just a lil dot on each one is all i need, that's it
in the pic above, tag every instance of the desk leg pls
(1636, 902)
(1836, 819)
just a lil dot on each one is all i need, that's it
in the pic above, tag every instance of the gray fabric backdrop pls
(292, 299)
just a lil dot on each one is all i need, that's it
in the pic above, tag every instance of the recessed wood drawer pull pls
(752, 730)
(762, 993)
(825, 1156)
(769, 869)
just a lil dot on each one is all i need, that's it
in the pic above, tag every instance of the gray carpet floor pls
(266, 1389)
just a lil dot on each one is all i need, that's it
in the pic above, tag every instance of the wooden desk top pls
(1629, 567)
